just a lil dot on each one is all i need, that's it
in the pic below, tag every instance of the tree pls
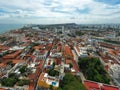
(12, 75)
(93, 67)
(51, 87)
(70, 65)
(71, 83)
(67, 79)
(53, 72)
(10, 82)
(75, 85)
(53, 64)
(59, 88)
(23, 69)
(79, 33)
(60, 32)
(23, 82)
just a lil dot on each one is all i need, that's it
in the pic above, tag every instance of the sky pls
(59, 11)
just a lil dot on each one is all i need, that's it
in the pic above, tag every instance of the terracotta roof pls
(16, 61)
(90, 85)
(2, 89)
(2, 65)
(49, 46)
(75, 66)
(107, 67)
(113, 52)
(35, 75)
(38, 47)
(59, 48)
(68, 61)
(31, 86)
(68, 51)
(107, 87)
(13, 55)
(108, 45)
(4, 47)
(58, 61)
(107, 60)
(41, 64)
(41, 76)
(77, 48)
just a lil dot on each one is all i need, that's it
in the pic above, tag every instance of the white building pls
(17, 48)
(110, 36)
(57, 54)
(41, 55)
(54, 81)
(115, 73)
(17, 36)
(81, 51)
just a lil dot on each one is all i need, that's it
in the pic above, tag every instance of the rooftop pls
(90, 85)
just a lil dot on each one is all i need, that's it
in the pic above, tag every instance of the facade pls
(81, 51)
(42, 55)
(115, 73)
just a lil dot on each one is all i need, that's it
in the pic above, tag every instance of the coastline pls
(7, 27)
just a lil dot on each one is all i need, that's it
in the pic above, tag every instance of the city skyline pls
(59, 11)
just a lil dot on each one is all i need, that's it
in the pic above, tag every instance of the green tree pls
(23, 69)
(23, 82)
(53, 72)
(8, 81)
(70, 65)
(93, 70)
(12, 75)
(59, 88)
(51, 87)
(71, 83)
(53, 64)
(79, 33)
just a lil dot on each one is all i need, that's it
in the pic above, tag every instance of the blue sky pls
(59, 11)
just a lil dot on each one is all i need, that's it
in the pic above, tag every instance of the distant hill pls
(66, 25)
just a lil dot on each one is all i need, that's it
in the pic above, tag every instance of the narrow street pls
(76, 59)
(75, 56)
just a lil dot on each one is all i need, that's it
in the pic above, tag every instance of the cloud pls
(60, 11)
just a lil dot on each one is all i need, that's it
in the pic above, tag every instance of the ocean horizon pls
(7, 27)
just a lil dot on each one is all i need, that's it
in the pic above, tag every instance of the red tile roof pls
(16, 61)
(31, 86)
(41, 76)
(38, 47)
(2, 89)
(68, 61)
(2, 65)
(90, 85)
(13, 55)
(77, 48)
(106, 87)
(75, 66)
(3, 47)
(35, 75)
(41, 64)
(68, 51)
(108, 45)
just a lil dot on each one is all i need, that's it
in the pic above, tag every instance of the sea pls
(7, 27)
